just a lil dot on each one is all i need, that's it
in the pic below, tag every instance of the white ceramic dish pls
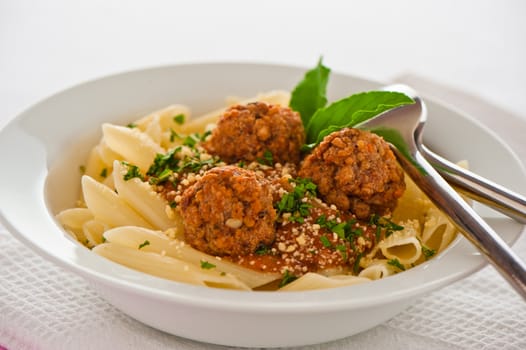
(41, 150)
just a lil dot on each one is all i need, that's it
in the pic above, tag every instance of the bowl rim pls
(401, 285)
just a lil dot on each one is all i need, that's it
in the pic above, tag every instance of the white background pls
(478, 46)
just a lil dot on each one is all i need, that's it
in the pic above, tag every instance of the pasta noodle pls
(93, 231)
(163, 118)
(95, 164)
(402, 245)
(108, 207)
(73, 221)
(311, 281)
(438, 231)
(158, 242)
(167, 267)
(127, 221)
(135, 146)
(140, 196)
(377, 269)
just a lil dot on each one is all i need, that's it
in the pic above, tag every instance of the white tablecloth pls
(475, 46)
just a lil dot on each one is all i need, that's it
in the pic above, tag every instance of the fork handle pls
(470, 224)
(478, 188)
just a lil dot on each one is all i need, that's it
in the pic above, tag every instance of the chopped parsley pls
(267, 159)
(144, 244)
(82, 169)
(345, 230)
(428, 252)
(292, 202)
(190, 141)
(173, 135)
(104, 173)
(287, 278)
(194, 164)
(133, 171)
(342, 248)
(356, 266)
(179, 118)
(131, 125)
(262, 250)
(193, 139)
(165, 165)
(325, 241)
(396, 263)
(163, 162)
(206, 265)
(385, 224)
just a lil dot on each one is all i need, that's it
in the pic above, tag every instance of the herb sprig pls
(205, 265)
(144, 244)
(287, 278)
(346, 230)
(292, 202)
(383, 223)
(165, 165)
(309, 99)
(428, 252)
(396, 263)
(310, 93)
(132, 171)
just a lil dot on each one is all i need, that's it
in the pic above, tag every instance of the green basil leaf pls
(350, 111)
(310, 93)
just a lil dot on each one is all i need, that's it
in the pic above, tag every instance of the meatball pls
(356, 171)
(228, 211)
(249, 132)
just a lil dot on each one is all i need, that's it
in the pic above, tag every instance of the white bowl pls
(41, 150)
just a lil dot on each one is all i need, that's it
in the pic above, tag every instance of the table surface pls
(473, 47)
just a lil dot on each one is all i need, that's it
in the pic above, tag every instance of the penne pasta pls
(73, 220)
(135, 146)
(95, 164)
(312, 281)
(166, 118)
(153, 129)
(140, 196)
(108, 180)
(402, 245)
(438, 230)
(93, 231)
(167, 267)
(377, 270)
(412, 205)
(107, 207)
(107, 155)
(158, 242)
(74, 217)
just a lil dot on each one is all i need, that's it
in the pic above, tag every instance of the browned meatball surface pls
(249, 132)
(356, 171)
(228, 211)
